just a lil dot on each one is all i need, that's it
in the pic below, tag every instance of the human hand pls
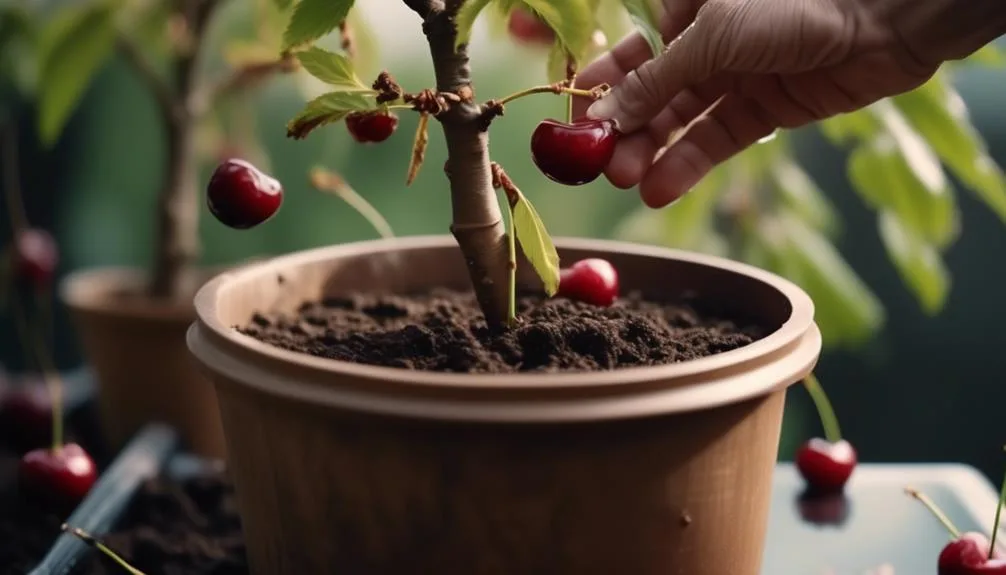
(756, 66)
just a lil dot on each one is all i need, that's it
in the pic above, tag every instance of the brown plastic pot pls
(346, 468)
(136, 347)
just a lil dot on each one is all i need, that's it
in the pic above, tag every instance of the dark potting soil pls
(188, 527)
(444, 331)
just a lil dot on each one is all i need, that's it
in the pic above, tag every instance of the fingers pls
(610, 67)
(732, 126)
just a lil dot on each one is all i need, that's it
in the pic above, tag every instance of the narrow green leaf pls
(847, 309)
(313, 19)
(798, 191)
(920, 194)
(555, 68)
(845, 129)
(918, 263)
(572, 21)
(465, 19)
(938, 112)
(74, 49)
(326, 109)
(536, 244)
(331, 68)
(645, 20)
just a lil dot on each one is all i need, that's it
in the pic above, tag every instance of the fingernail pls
(602, 109)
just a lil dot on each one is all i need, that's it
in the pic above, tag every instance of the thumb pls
(647, 90)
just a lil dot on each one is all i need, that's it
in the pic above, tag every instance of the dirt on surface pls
(444, 331)
(26, 530)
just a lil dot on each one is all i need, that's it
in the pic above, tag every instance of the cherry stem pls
(824, 410)
(995, 523)
(326, 181)
(557, 88)
(88, 539)
(936, 511)
(31, 338)
(12, 183)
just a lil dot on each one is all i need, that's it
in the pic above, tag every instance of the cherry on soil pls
(526, 27)
(59, 477)
(241, 196)
(371, 127)
(969, 553)
(593, 281)
(35, 257)
(573, 154)
(825, 464)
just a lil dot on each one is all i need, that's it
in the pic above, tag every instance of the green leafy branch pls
(900, 152)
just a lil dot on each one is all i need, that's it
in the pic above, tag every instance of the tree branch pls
(144, 68)
(425, 7)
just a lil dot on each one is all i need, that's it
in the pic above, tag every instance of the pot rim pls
(799, 326)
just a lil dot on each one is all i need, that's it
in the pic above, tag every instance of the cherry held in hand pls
(35, 257)
(241, 196)
(59, 477)
(374, 127)
(594, 281)
(573, 154)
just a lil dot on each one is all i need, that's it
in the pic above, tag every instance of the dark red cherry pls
(573, 154)
(824, 465)
(529, 28)
(593, 280)
(59, 479)
(35, 257)
(969, 555)
(366, 127)
(241, 196)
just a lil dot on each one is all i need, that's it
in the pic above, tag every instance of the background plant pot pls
(136, 347)
(346, 468)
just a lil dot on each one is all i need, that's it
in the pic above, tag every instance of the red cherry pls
(593, 280)
(824, 465)
(529, 28)
(969, 555)
(371, 126)
(35, 257)
(60, 479)
(241, 196)
(26, 415)
(573, 154)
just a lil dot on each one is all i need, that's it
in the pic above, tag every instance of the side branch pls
(425, 7)
(144, 68)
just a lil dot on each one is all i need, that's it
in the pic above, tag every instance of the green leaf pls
(326, 109)
(331, 68)
(845, 129)
(464, 21)
(572, 21)
(798, 191)
(989, 55)
(536, 243)
(846, 309)
(919, 263)
(643, 17)
(313, 19)
(282, 4)
(555, 68)
(73, 50)
(898, 171)
(938, 112)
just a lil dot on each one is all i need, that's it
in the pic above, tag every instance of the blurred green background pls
(925, 390)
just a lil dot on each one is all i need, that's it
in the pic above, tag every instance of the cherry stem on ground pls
(326, 181)
(995, 522)
(88, 539)
(557, 88)
(825, 412)
(936, 511)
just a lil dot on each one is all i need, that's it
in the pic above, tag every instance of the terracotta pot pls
(346, 468)
(136, 347)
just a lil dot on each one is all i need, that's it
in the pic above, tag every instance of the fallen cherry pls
(826, 464)
(573, 154)
(35, 257)
(367, 127)
(969, 553)
(60, 477)
(242, 196)
(527, 27)
(593, 280)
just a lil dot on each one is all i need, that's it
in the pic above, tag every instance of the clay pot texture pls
(144, 372)
(347, 468)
